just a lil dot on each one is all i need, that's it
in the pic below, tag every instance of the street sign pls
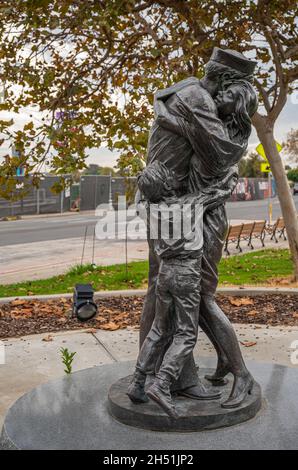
(261, 151)
(265, 167)
(20, 171)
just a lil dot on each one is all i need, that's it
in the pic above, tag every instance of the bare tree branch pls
(264, 95)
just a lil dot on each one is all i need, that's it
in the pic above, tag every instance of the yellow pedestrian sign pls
(261, 151)
(265, 167)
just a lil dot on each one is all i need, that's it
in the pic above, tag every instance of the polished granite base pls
(194, 415)
(72, 413)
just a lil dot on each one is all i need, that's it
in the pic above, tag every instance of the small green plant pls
(67, 359)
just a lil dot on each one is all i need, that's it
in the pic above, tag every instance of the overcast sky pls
(102, 156)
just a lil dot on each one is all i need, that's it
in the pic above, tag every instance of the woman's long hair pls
(239, 122)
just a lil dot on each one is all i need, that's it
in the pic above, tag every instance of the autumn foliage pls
(90, 68)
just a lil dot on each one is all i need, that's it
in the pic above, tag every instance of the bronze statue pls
(199, 134)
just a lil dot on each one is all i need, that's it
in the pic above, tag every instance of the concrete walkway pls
(40, 260)
(33, 360)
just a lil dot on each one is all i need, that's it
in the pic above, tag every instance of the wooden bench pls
(277, 228)
(247, 232)
(258, 232)
(233, 236)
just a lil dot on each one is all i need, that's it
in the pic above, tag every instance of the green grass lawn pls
(254, 268)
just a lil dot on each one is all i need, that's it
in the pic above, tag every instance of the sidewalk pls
(40, 260)
(33, 360)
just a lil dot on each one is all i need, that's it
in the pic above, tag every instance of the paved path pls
(30, 361)
(41, 260)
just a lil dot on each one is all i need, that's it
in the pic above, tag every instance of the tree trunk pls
(264, 130)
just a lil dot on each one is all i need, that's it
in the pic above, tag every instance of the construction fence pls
(86, 194)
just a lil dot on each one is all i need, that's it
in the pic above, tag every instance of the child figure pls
(178, 285)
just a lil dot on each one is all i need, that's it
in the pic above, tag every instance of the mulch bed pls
(24, 317)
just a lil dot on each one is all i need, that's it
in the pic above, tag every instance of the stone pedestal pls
(72, 413)
(194, 415)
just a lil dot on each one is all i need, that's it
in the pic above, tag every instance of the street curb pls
(254, 291)
(233, 291)
(98, 295)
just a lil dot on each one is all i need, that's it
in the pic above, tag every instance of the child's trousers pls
(176, 320)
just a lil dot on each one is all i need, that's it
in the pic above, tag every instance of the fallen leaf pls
(16, 302)
(110, 326)
(108, 311)
(21, 313)
(240, 301)
(121, 316)
(295, 315)
(91, 330)
(100, 318)
(248, 344)
(47, 338)
(252, 313)
(62, 320)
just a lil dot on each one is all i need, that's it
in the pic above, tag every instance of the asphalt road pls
(71, 226)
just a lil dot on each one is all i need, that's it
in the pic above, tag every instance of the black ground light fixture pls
(84, 307)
